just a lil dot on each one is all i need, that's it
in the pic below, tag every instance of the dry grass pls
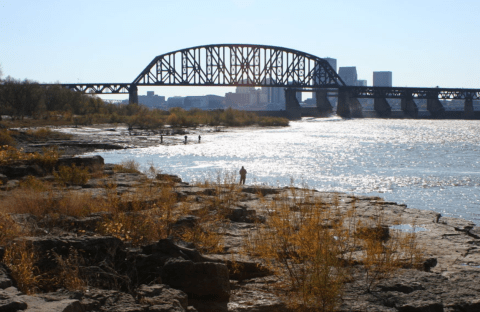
(313, 246)
(6, 138)
(43, 134)
(43, 200)
(9, 230)
(20, 259)
(10, 155)
(72, 175)
(142, 216)
(127, 166)
(67, 273)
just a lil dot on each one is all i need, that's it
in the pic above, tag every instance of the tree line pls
(20, 99)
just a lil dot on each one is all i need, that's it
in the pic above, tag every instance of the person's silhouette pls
(243, 175)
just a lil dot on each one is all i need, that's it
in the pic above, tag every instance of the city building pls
(274, 95)
(362, 83)
(237, 100)
(195, 102)
(151, 100)
(382, 79)
(348, 75)
(210, 101)
(332, 62)
(175, 101)
(215, 101)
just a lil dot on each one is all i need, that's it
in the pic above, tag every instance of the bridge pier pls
(292, 107)
(468, 111)
(409, 107)
(323, 104)
(382, 107)
(435, 107)
(348, 106)
(133, 94)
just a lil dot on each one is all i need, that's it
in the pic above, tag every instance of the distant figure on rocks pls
(199, 138)
(161, 138)
(243, 175)
(185, 139)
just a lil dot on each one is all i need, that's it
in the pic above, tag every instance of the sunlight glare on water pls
(426, 164)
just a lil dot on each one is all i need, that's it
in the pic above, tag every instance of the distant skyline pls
(424, 43)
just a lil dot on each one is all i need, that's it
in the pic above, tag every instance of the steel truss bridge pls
(244, 65)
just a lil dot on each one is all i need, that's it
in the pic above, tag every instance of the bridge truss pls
(99, 88)
(239, 65)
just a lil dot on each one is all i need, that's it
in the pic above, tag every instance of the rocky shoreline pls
(170, 276)
(107, 137)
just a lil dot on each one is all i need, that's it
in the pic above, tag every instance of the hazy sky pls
(425, 43)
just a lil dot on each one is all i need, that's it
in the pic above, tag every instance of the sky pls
(425, 43)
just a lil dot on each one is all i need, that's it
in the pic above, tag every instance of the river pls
(425, 164)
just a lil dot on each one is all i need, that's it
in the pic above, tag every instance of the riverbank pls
(85, 139)
(192, 273)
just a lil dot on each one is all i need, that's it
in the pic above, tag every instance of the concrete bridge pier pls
(468, 111)
(292, 107)
(133, 94)
(323, 104)
(382, 107)
(348, 106)
(409, 107)
(435, 107)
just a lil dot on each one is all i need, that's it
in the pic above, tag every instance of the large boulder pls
(111, 301)
(201, 280)
(168, 178)
(21, 170)
(100, 256)
(162, 296)
(153, 257)
(166, 249)
(36, 304)
(92, 247)
(10, 301)
(5, 280)
(3, 179)
(92, 162)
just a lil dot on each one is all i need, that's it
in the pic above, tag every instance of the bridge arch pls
(239, 65)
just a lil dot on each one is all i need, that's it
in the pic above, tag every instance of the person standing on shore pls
(185, 139)
(243, 175)
(199, 138)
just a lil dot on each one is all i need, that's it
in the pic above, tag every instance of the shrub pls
(10, 155)
(6, 138)
(127, 166)
(71, 175)
(144, 216)
(43, 134)
(302, 249)
(67, 272)
(8, 229)
(48, 158)
(40, 134)
(20, 259)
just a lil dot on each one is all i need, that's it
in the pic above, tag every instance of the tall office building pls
(382, 79)
(332, 62)
(348, 75)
